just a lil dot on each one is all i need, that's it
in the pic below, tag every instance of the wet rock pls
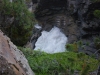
(36, 34)
(12, 60)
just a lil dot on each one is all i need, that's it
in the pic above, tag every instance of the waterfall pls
(51, 42)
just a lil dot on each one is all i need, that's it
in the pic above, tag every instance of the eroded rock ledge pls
(12, 60)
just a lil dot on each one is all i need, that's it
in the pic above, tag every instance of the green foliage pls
(59, 63)
(72, 47)
(85, 69)
(97, 13)
(22, 26)
(75, 46)
(97, 42)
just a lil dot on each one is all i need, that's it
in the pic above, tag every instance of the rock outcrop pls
(12, 60)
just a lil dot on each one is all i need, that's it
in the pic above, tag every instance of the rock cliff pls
(12, 60)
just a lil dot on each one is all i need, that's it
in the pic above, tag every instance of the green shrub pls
(59, 63)
(72, 47)
(97, 13)
(97, 43)
(20, 30)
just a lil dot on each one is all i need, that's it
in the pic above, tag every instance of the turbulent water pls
(51, 42)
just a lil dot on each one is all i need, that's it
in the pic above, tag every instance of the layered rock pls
(12, 60)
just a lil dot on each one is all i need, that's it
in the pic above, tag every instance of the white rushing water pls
(51, 42)
(37, 26)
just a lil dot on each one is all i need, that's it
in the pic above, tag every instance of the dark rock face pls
(58, 13)
(35, 1)
(73, 6)
(49, 7)
(51, 4)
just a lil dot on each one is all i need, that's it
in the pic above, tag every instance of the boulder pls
(12, 60)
